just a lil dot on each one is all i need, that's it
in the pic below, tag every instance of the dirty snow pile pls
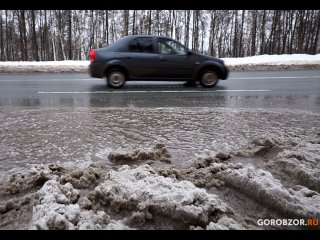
(260, 62)
(274, 178)
(127, 198)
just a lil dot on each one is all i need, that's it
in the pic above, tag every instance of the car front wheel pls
(208, 78)
(116, 78)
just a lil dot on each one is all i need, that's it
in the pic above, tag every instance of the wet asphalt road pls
(265, 89)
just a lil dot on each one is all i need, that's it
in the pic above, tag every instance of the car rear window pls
(117, 46)
(141, 44)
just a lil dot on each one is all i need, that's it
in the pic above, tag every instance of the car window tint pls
(167, 46)
(133, 45)
(141, 45)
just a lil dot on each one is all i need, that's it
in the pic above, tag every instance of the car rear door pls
(141, 59)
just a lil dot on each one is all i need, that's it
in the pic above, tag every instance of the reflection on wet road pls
(282, 89)
(70, 117)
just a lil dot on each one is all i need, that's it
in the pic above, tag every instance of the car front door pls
(174, 62)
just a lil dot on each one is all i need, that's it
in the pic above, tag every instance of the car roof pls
(153, 36)
(121, 43)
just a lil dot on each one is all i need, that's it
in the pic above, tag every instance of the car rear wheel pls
(116, 78)
(208, 78)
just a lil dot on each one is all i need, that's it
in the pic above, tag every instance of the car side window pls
(167, 46)
(144, 44)
(133, 45)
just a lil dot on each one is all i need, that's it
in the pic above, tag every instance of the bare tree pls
(149, 22)
(70, 34)
(134, 22)
(39, 35)
(187, 24)
(34, 37)
(126, 22)
(2, 51)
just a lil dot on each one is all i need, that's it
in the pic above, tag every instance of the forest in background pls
(54, 35)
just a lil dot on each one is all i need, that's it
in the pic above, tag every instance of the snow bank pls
(58, 209)
(274, 62)
(261, 62)
(274, 178)
(127, 198)
(298, 201)
(159, 153)
(275, 59)
(302, 162)
(224, 223)
(49, 66)
(141, 189)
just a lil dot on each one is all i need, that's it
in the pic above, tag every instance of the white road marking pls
(97, 79)
(243, 78)
(50, 80)
(240, 90)
(154, 91)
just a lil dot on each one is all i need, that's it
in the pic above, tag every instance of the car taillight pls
(92, 55)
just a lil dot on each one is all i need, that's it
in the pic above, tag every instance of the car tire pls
(116, 78)
(208, 78)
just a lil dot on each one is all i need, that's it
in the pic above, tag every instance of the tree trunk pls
(211, 35)
(107, 26)
(149, 22)
(316, 42)
(126, 22)
(172, 23)
(134, 22)
(253, 33)
(70, 34)
(235, 37)
(187, 24)
(195, 30)
(34, 37)
(2, 58)
(240, 54)
(262, 33)
(25, 41)
(21, 37)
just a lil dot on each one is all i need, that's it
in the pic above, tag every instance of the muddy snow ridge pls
(158, 153)
(271, 178)
(138, 193)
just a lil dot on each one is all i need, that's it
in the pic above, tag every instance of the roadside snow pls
(143, 190)
(261, 62)
(230, 190)
(49, 66)
(298, 201)
(285, 59)
(274, 62)
(136, 192)
(58, 209)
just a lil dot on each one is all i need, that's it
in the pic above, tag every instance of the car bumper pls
(96, 70)
(224, 73)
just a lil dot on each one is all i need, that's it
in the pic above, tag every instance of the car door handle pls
(128, 57)
(163, 60)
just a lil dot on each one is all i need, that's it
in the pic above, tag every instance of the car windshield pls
(167, 46)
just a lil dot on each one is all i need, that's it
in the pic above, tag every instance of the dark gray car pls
(148, 58)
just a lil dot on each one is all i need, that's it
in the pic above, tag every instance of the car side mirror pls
(189, 52)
